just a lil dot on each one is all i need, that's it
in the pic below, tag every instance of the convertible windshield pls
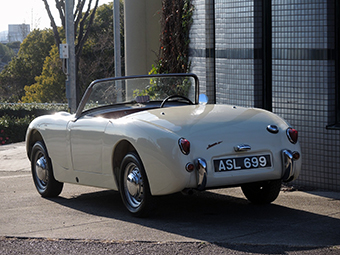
(139, 89)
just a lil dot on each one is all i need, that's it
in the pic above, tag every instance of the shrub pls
(13, 129)
(176, 21)
(3, 137)
(15, 118)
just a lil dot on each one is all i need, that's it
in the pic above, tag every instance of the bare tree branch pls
(76, 10)
(53, 25)
(60, 4)
(78, 13)
(82, 23)
(82, 38)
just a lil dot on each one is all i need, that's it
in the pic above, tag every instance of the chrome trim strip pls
(242, 147)
(201, 166)
(273, 129)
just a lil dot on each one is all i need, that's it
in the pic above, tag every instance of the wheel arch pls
(33, 137)
(120, 151)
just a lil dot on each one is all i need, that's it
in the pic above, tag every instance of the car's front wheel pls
(134, 186)
(262, 192)
(42, 172)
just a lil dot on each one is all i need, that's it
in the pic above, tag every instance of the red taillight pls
(190, 167)
(296, 155)
(292, 135)
(184, 145)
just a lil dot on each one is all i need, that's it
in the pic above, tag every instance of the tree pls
(23, 68)
(97, 60)
(12, 80)
(50, 85)
(82, 23)
(34, 50)
(14, 45)
(6, 53)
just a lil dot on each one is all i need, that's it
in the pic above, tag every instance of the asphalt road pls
(86, 220)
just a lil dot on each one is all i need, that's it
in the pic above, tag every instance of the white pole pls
(71, 61)
(116, 34)
(117, 47)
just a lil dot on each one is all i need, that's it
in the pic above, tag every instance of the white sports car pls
(147, 136)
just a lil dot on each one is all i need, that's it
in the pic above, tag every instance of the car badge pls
(213, 144)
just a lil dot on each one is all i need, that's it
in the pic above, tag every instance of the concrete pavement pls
(13, 158)
(295, 219)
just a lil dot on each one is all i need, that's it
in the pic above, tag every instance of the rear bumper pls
(201, 170)
(289, 165)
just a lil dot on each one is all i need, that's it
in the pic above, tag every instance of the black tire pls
(42, 172)
(134, 186)
(262, 192)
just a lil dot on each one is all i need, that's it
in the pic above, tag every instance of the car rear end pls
(251, 146)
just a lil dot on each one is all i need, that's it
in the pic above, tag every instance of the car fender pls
(52, 130)
(159, 152)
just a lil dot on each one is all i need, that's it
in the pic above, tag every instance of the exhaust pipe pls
(188, 192)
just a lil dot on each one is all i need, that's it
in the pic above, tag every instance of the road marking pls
(14, 176)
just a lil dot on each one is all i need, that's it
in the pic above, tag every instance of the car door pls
(86, 142)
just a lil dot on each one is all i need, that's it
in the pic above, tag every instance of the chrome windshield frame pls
(90, 87)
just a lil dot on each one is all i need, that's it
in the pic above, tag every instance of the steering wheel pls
(175, 96)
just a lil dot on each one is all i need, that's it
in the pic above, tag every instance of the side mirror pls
(203, 99)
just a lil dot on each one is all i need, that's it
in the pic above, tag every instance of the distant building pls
(18, 32)
(3, 36)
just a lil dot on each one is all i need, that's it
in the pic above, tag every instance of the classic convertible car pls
(147, 136)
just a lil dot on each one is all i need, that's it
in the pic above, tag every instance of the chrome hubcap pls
(134, 185)
(134, 181)
(41, 169)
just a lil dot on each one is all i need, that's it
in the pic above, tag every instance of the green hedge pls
(15, 118)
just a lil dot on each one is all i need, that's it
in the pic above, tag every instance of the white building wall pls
(142, 30)
(226, 50)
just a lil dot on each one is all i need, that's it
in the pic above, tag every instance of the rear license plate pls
(241, 163)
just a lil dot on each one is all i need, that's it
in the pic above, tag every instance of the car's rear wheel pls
(134, 186)
(262, 192)
(42, 172)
